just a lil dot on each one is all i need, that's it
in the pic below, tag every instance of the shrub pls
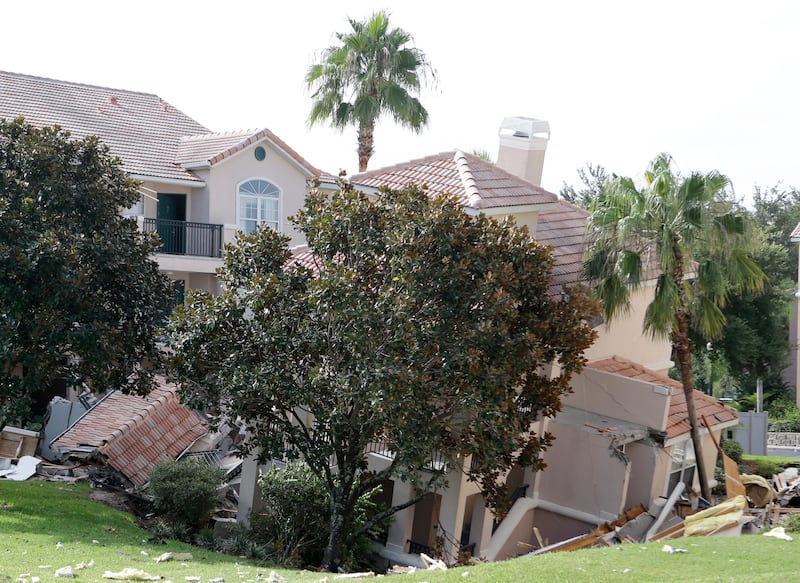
(295, 522)
(184, 493)
(792, 523)
(733, 449)
(762, 465)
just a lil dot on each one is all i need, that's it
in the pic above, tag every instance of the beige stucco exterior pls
(625, 336)
(213, 200)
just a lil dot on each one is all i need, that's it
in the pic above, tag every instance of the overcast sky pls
(715, 84)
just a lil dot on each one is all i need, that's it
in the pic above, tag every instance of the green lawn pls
(36, 516)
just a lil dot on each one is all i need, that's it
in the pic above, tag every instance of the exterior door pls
(171, 223)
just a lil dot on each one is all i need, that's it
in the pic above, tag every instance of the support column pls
(249, 492)
(451, 515)
(402, 521)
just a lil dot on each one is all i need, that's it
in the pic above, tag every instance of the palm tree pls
(370, 73)
(697, 242)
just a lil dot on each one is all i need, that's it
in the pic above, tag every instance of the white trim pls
(172, 181)
(251, 147)
(281, 220)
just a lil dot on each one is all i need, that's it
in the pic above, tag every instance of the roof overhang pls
(171, 181)
(703, 431)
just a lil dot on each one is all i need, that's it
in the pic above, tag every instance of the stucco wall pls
(624, 337)
(225, 176)
(619, 397)
(582, 472)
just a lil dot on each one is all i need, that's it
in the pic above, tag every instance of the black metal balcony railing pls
(185, 238)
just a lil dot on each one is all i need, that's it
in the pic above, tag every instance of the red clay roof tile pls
(134, 433)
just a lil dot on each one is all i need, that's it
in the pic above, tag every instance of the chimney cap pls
(527, 128)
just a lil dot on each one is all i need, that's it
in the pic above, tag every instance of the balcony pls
(186, 238)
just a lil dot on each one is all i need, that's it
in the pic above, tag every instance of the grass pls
(35, 516)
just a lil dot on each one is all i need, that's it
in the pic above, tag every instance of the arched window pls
(259, 202)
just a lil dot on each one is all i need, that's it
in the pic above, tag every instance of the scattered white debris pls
(130, 574)
(432, 564)
(144, 553)
(95, 541)
(626, 570)
(84, 565)
(670, 550)
(218, 580)
(192, 579)
(274, 577)
(362, 575)
(465, 574)
(34, 579)
(65, 572)
(778, 532)
(45, 566)
(59, 546)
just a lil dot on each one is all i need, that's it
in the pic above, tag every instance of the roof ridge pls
(384, 169)
(74, 83)
(474, 199)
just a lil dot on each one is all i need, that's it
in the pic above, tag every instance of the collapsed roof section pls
(134, 433)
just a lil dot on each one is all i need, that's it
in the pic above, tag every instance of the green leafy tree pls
(80, 297)
(418, 328)
(371, 72)
(755, 341)
(593, 178)
(697, 240)
(777, 211)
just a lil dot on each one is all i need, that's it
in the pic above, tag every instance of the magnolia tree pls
(414, 325)
(80, 297)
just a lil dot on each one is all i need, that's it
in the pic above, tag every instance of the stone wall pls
(790, 440)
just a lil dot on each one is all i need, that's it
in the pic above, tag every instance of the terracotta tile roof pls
(478, 184)
(302, 255)
(134, 433)
(215, 147)
(678, 421)
(141, 128)
(562, 228)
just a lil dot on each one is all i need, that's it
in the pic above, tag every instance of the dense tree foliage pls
(418, 329)
(700, 244)
(371, 72)
(80, 297)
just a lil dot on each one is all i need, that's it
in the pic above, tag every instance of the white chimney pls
(523, 141)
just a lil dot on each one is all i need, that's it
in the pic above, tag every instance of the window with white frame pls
(259, 202)
(682, 466)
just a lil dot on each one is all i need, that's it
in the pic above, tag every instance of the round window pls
(260, 153)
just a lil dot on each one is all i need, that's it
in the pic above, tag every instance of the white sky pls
(715, 84)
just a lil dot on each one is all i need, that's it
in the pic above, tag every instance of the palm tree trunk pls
(366, 144)
(683, 354)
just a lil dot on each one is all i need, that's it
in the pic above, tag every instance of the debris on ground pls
(65, 572)
(672, 550)
(131, 574)
(432, 564)
(778, 532)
